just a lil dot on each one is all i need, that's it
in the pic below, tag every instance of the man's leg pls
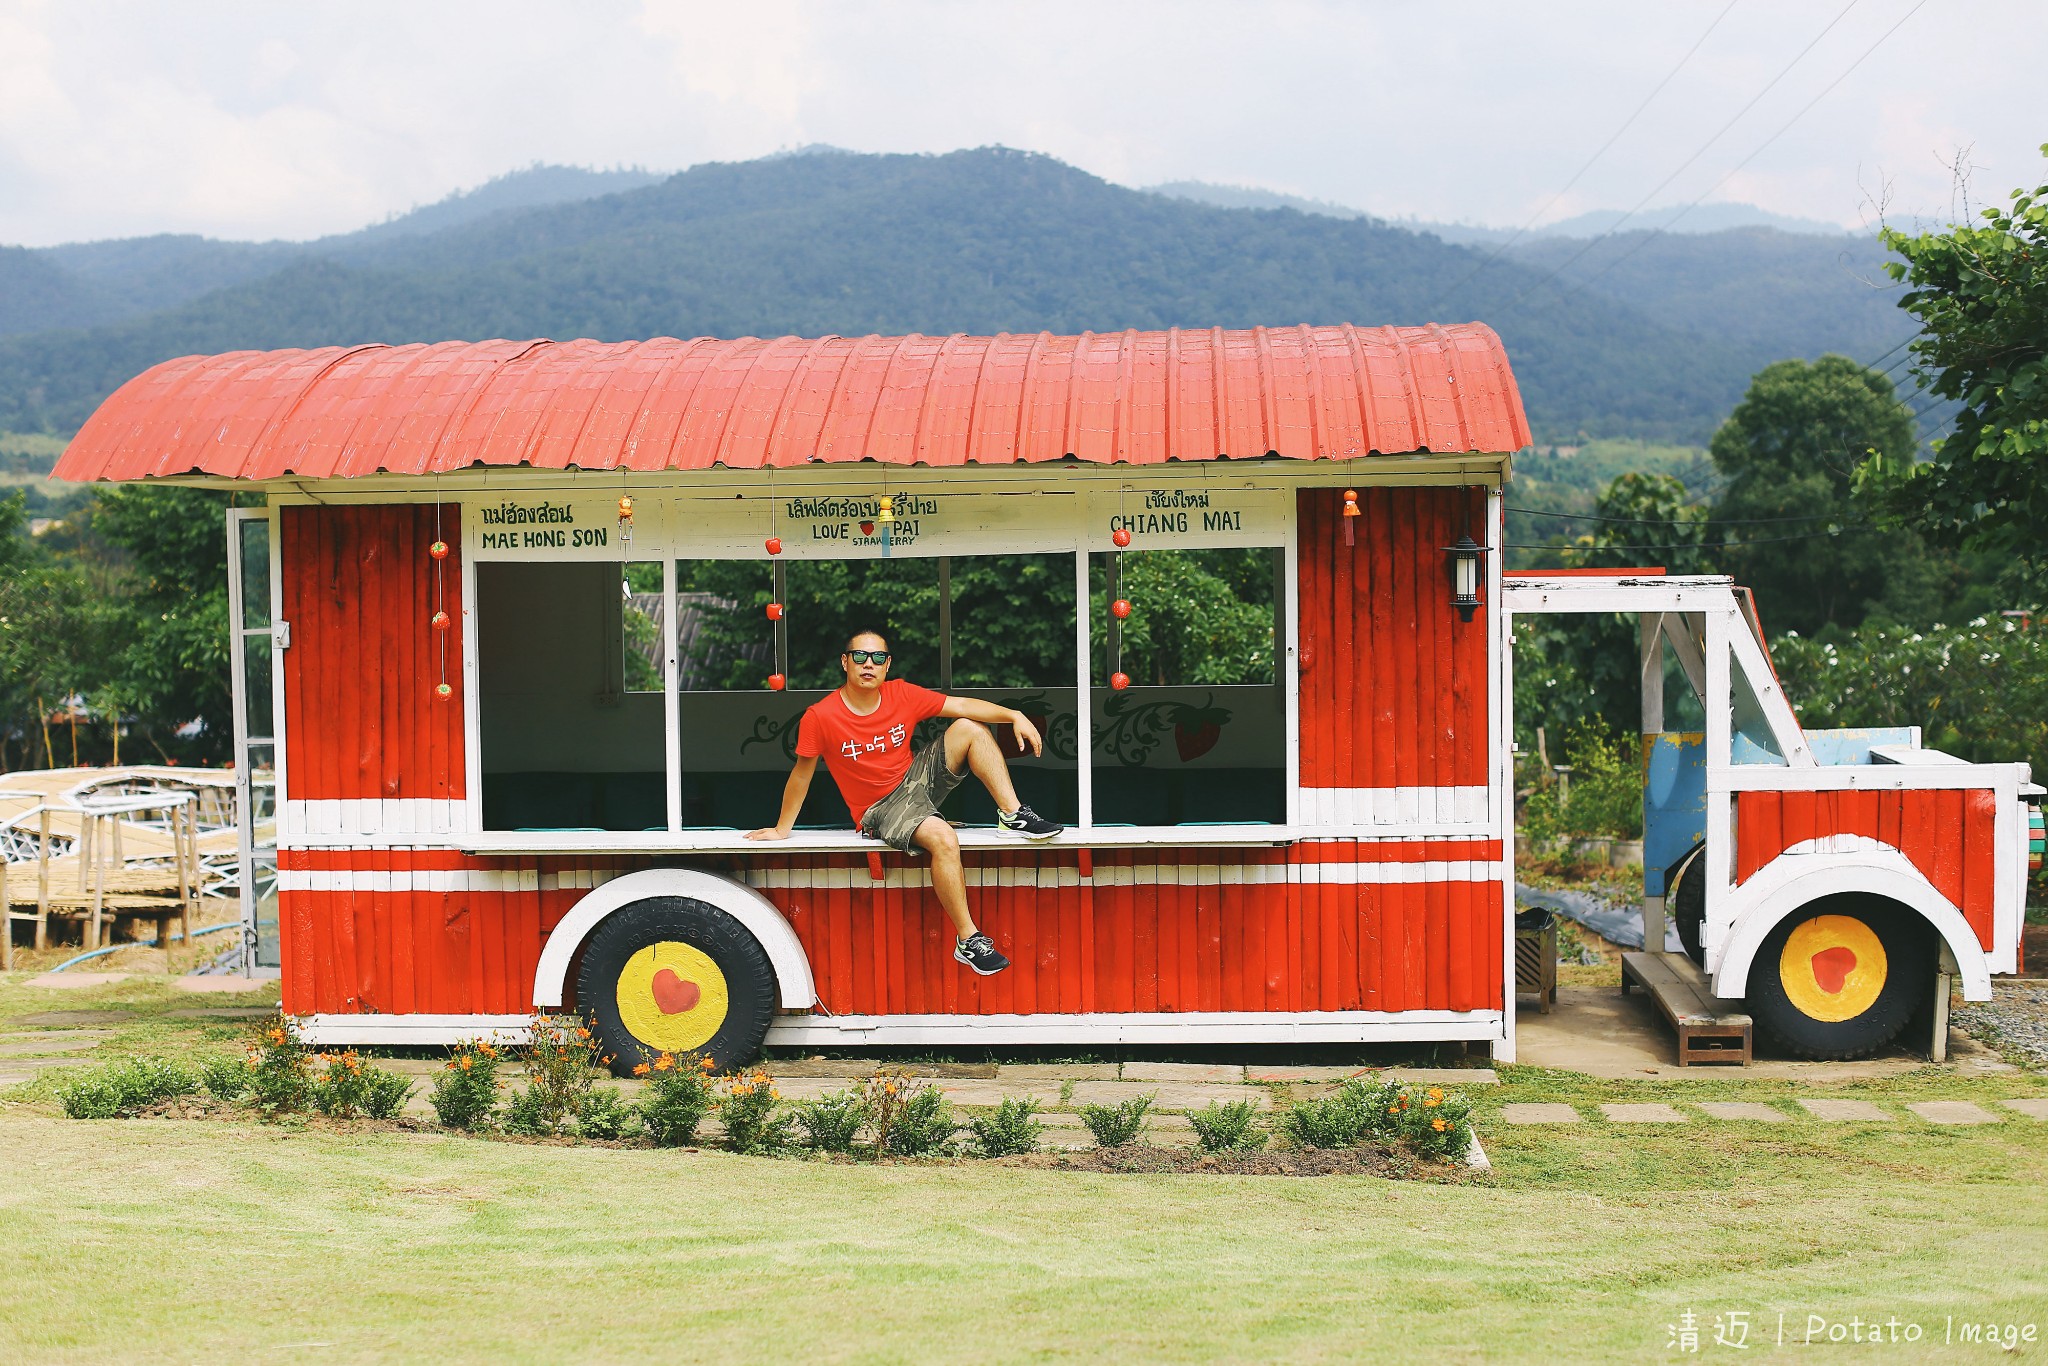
(971, 747)
(948, 881)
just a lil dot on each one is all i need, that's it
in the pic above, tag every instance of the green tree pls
(1796, 532)
(1981, 295)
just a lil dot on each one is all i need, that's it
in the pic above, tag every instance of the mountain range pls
(1642, 334)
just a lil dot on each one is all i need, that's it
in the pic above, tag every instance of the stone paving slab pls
(1538, 1112)
(866, 1067)
(76, 981)
(27, 1035)
(1056, 1071)
(1743, 1110)
(42, 1064)
(1642, 1113)
(220, 983)
(78, 1017)
(1428, 1076)
(1183, 1071)
(1307, 1074)
(1167, 1095)
(222, 1013)
(1841, 1110)
(994, 1093)
(2034, 1108)
(22, 1046)
(1445, 1076)
(1952, 1112)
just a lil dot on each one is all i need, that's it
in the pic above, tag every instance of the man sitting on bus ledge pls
(862, 732)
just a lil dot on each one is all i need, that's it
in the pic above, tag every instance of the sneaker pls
(979, 952)
(1027, 823)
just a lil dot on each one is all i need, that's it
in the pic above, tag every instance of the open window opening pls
(996, 627)
(570, 710)
(1197, 736)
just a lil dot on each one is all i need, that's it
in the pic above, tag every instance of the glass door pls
(254, 642)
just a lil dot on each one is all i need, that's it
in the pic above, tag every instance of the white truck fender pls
(757, 913)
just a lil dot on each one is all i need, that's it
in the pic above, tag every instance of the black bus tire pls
(1689, 906)
(678, 976)
(1840, 976)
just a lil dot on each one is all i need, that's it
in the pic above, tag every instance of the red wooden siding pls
(1293, 930)
(1393, 685)
(1949, 834)
(361, 716)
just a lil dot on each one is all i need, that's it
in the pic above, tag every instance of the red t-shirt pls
(867, 755)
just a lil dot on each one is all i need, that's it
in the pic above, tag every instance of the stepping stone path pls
(1952, 1112)
(1642, 1114)
(1744, 1110)
(2036, 1108)
(1538, 1112)
(1843, 1110)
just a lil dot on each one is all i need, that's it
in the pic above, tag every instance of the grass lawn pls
(208, 1240)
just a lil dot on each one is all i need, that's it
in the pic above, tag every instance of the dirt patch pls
(1141, 1159)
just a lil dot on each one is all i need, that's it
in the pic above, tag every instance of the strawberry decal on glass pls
(1196, 730)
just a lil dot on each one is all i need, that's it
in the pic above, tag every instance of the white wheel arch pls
(1791, 881)
(757, 913)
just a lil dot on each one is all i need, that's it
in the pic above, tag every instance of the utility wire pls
(1626, 124)
(1684, 165)
(1666, 521)
(1696, 545)
(1666, 226)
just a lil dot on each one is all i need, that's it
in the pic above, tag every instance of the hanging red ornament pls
(443, 692)
(439, 550)
(774, 545)
(1121, 537)
(777, 682)
(775, 611)
(1119, 680)
(1121, 607)
(1350, 511)
(439, 621)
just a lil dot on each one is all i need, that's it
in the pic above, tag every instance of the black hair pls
(864, 631)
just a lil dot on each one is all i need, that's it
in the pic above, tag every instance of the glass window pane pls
(256, 684)
(255, 548)
(1752, 742)
(640, 613)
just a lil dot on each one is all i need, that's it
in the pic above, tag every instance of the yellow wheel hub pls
(1833, 968)
(672, 997)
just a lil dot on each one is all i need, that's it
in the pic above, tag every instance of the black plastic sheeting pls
(1622, 925)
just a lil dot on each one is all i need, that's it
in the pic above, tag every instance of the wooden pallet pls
(1679, 989)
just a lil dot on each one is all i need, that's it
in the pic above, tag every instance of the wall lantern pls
(1466, 557)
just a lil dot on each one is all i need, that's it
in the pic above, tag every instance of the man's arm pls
(989, 714)
(793, 793)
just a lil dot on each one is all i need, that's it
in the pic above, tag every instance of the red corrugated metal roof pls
(1310, 393)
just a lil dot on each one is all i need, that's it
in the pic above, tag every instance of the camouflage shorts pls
(894, 819)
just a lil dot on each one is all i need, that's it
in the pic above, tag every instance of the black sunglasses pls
(868, 656)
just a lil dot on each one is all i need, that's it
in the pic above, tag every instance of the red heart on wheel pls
(673, 994)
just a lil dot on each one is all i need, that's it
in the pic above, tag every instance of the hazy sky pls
(291, 120)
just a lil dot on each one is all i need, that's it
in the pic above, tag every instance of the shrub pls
(280, 1069)
(604, 1114)
(1606, 789)
(385, 1093)
(339, 1087)
(465, 1094)
(225, 1078)
(751, 1111)
(1116, 1125)
(1010, 1130)
(678, 1097)
(1219, 1127)
(832, 1122)
(527, 1113)
(1337, 1120)
(560, 1059)
(122, 1089)
(1435, 1124)
(922, 1123)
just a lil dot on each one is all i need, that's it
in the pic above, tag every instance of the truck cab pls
(1836, 881)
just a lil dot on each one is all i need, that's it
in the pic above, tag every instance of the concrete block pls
(2034, 1108)
(1167, 1095)
(1056, 1071)
(1743, 1110)
(972, 1091)
(1644, 1113)
(1538, 1112)
(28, 1046)
(1183, 1071)
(1309, 1074)
(223, 984)
(1843, 1110)
(1952, 1112)
(1444, 1076)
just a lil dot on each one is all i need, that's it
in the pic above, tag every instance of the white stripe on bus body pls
(503, 880)
(1347, 806)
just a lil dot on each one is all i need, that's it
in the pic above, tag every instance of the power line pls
(1696, 545)
(1667, 521)
(1684, 165)
(1626, 124)
(1665, 227)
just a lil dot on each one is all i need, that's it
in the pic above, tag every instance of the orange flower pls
(1438, 1124)
(277, 1036)
(582, 1031)
(640, 1069)
(664, 1062)
(1436, 1093)
(467, 1062)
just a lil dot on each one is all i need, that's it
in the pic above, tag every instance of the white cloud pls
(248, 119)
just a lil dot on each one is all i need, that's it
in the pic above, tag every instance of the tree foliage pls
(1981, 295)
